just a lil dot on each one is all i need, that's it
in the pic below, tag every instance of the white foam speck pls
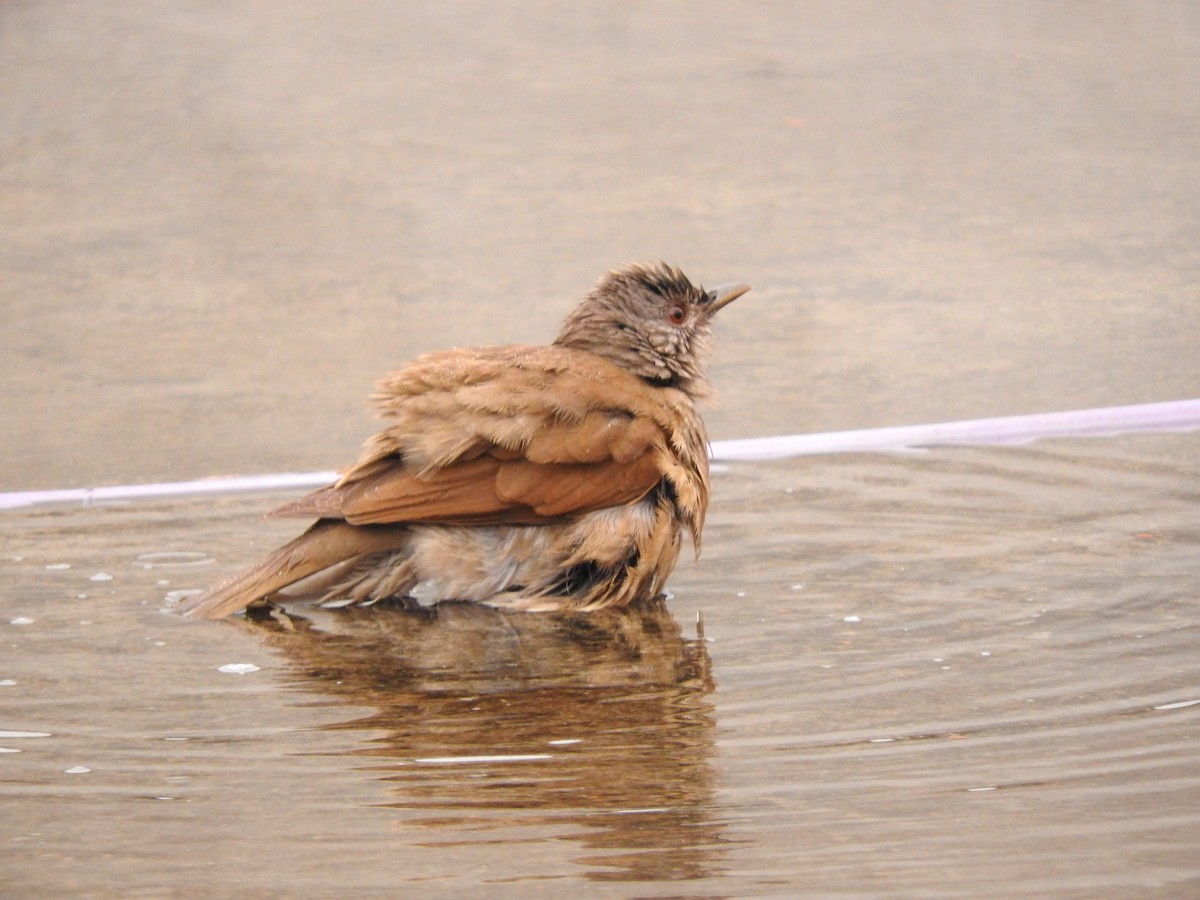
(463, 760)
(238, 668)
(174, 598)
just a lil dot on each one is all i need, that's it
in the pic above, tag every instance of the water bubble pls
(172, 558)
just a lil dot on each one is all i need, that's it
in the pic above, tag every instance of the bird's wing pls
(482, 491)
(501, 436)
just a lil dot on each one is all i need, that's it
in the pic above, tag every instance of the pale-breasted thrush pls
(552, 477)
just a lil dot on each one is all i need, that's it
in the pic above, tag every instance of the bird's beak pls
(724, 294)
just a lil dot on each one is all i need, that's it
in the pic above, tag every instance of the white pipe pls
(1176, 415)
(127, 492)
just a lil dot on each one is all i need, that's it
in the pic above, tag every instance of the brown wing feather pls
(392, 492)
(483, 491)
(599, 436)
(459, 494)
(571, 489)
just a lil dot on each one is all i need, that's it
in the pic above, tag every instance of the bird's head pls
(651, 321)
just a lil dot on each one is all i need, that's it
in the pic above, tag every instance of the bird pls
(538, 478)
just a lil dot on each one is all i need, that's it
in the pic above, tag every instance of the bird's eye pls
(676, 314)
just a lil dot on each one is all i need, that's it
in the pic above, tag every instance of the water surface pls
(918, 673)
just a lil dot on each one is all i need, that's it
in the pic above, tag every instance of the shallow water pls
(923, 673)
(958, 672)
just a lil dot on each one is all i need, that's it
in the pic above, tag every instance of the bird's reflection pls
(598, 727)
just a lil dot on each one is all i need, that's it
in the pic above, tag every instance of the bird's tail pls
(327, 543)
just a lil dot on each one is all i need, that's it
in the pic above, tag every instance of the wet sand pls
(963, 672)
